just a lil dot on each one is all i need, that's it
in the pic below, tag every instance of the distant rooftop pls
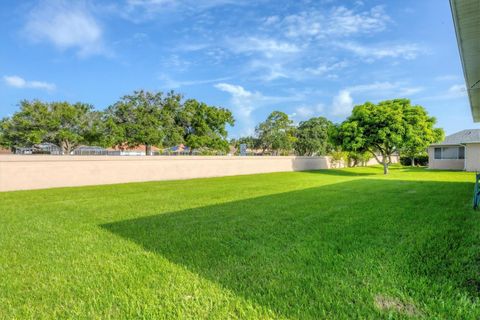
(461, 137)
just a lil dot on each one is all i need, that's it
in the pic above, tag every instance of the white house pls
(459, 151)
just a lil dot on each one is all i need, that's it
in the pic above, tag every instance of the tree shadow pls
(324, 251)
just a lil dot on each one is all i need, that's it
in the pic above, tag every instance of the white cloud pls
(457, 90)
(306, 112)
(244, 103)
(66, 25)
(267, 46)
(325, 68)
(340, 21)
(342, 103)
(243, 100)
(144, 10)
(382, 89)
(371, 53)
(447, 77)
(268, 70)
(19, 82)
(169, 83)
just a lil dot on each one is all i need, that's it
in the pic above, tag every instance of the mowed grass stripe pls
(347, 243)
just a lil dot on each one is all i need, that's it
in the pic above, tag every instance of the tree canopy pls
(312, 137)
(276, 133)
(421, 132)
(62, 123)
(150, 118)
(204, 126)
(142, 118)
(136, 120)
(386, 128)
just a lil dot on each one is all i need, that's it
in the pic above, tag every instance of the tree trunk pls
(148, 150)
(413, 162)
(385, 167)
(65, 147)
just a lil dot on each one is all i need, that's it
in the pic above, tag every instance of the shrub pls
(419, 160)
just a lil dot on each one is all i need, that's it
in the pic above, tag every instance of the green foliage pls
(421, 133)
(420, 160)
(136, 120)
(205, 126)
(251, 142)
(312, 137)
(29, 126)
(328, 244)
(142, 118)
(276, 133)
(355, 158)
(170, 115)
(70, 124)
(149, 118)
(61, 123)
(386, 128)
(338, 157)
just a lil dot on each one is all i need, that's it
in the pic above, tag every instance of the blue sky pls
(306, 58)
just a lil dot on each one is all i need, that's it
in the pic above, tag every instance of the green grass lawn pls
(341, 244)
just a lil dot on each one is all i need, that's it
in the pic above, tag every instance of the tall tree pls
(420, 134)
(171, 119)
(249, 141)
(136, 119)
(313, 137)
(205, 126)
(60, 123)
(276, 133)
(28, 126)
(383, 129)
(69, 124)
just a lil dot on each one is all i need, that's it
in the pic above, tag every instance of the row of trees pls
(278, 135)
(142, 118)
(372, 131)
(164, 120)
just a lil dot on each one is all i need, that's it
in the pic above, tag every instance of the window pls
(461, 153)
(449, 153)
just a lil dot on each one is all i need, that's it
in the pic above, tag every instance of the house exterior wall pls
(445, 164)
(39, 172)
(472, 157)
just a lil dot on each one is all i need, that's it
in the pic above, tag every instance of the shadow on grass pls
(328, 250)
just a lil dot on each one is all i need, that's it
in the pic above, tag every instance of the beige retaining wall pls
(37, 172)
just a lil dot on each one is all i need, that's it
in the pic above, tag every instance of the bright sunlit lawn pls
(328, 244)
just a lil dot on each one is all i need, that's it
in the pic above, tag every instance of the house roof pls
(466, 19)
(461, 137)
